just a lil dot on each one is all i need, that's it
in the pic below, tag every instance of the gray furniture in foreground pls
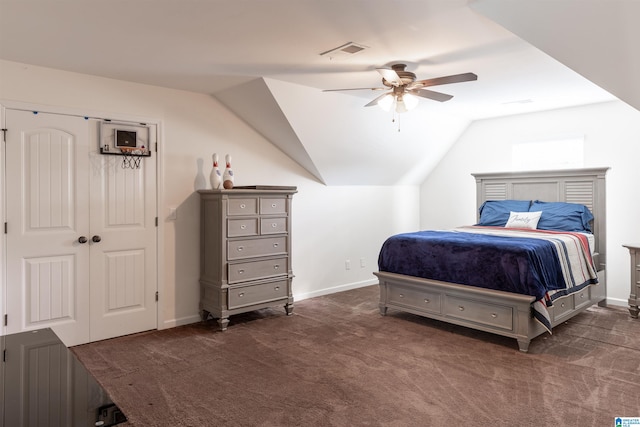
(634, 295)
(245, 245)
(499, 312)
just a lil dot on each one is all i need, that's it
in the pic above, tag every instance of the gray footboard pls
(501, 313)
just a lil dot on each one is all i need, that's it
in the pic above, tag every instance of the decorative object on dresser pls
(503, 312)
(634, 296)
(215, 176)
(245, 245)
(227, 177)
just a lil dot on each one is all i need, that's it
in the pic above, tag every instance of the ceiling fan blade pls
(375, 101)
(456, 78)
(390, 75)
(355, 88)
(429, 94)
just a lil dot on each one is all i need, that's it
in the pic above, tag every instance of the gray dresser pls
(245, 245)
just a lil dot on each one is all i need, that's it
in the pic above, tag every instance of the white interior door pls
(81, 241)
(47, 216)
(123, 215)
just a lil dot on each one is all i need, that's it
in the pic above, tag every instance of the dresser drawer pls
(242, 227)
(582, 298)
(245, 206)
(273, 225)
(256, 294)
(495, 316)
(273, 205)
(411, 298)
(253, 270)
(249, 248)
(562, 306)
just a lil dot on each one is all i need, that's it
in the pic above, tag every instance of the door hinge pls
(156, 221)
(4, 355)
(157, 295)
(156, 147)
(6, 319)
(5, 228)
(4, 135)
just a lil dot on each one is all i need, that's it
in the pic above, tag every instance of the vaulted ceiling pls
(262, 59)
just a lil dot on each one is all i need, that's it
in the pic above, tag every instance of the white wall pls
(330, 224)
(612, 138)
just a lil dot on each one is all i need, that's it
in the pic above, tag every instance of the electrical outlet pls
(363, 264)
(347, 264)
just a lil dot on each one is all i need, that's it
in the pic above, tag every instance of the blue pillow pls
(561, 216)
(496, 212)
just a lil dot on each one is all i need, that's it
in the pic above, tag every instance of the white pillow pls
(523, 220)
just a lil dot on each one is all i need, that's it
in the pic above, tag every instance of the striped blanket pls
(543, 264)
(574, 256)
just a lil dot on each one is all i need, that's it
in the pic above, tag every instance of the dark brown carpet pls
(337, 362)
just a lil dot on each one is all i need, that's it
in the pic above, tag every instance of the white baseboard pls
(617, 302)
(172, 323)
(333, 290)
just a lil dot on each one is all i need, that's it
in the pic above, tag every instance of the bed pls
(468, 299)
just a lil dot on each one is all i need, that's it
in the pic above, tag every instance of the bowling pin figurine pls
(215, 177)
(227, 178)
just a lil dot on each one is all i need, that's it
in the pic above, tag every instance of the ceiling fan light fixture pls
(410, 101)
(387, 102)
(405, 102)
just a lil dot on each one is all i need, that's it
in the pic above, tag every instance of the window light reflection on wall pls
(568, 153)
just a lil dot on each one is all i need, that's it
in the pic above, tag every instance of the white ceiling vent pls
(344, 51)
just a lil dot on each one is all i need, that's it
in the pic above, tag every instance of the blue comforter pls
(522, 265)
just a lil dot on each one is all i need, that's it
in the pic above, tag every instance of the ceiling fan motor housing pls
(406, 77)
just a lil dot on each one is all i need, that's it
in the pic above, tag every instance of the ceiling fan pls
(404, 88)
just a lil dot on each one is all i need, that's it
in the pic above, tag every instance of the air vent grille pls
(344, 51)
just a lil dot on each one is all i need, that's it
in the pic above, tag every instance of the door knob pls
(82, 239)
(96, 238)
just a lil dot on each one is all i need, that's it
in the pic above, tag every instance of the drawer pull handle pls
(581, 295)
(243, 226)
(274, 224)
(562, 305)
(275, 267)
(273, 205)
(275, 245)
(242, 206)
(240, 271)
(461, 308)
(277, 288)
(426, 300)
(240, 248)
(241, 294)
(494, 315)
(401, 295)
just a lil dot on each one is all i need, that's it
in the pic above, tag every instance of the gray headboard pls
(584, 186)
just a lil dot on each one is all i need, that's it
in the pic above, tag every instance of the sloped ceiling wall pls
(325, 132)
(597, 39)
(255, 104)
(341, 143)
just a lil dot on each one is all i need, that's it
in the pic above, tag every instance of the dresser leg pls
(223, 322)
(289, 309)
(523, 344)
(634, 310)
(204, 315)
